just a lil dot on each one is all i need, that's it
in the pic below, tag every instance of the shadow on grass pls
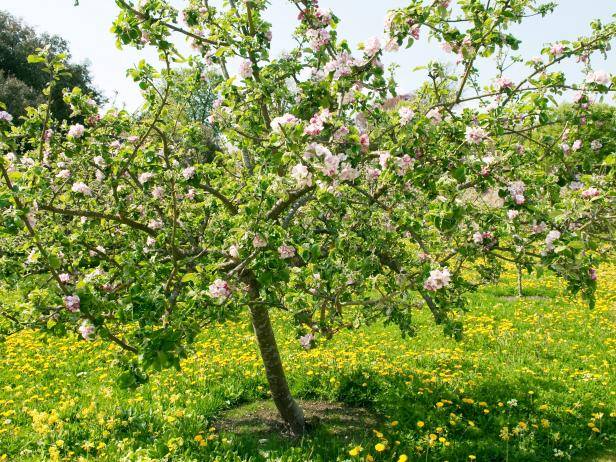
(391, 408)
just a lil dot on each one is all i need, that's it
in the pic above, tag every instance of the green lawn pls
(533, 379)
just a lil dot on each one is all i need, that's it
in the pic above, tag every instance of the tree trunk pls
(519, 268)
(289, 410)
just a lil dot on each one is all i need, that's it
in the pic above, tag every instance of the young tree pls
(331, 197)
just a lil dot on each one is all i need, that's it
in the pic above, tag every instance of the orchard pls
(312, 189)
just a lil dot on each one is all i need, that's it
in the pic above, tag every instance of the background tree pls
(21, 84)
(321, 200)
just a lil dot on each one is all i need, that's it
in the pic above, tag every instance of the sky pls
(87, 30)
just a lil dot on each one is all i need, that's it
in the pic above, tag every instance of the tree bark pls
(288, 408)
(520, 293)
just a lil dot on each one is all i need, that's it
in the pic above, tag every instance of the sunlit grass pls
(533, 379)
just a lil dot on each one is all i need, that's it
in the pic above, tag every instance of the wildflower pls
(512, 214)
(421, 424)
(355, 451)
(220, 289)
(379, 447)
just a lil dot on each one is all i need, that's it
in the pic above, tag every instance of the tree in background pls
(21, 83)
(322, 200)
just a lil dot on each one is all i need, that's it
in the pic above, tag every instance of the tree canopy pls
(21, 83)
(329, 197)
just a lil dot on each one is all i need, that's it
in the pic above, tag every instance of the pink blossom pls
(64, 174)
(245, 69)
(331, 164)
(323, 16)
(286, 252)
(76, 131)
(364, 141)
(516, 190)
(155, 224)
(595, 145)
(384, 157)
(503, 83)
(577, 144)
(391, 45)
(286, 120)
(318, 38)
(87, 329)
(590, 193)
(6, 116)
(348, 173)
(306, 341)
(341, 65)
(220, 289)
(550, 238)
(158, 192)
(81, 188)
(512, 214)
(438, 279)
(446, 47)
(258, 242)
(341, 133)
(372, 173)
(72, 303)
(557, 49)
(566, 148)
(64, 278)
(592, 274)
(301, 174)
(435, 115)
(145, 177)
(234, 251)
(373, 46)
(598, 77)
(475, 135)
(404, 164)
(406, 115)
(188, 172)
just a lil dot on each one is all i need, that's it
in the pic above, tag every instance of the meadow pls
(533, 379)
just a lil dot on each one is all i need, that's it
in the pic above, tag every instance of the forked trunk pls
(289, 410)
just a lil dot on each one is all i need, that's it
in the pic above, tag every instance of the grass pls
(533, 379)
